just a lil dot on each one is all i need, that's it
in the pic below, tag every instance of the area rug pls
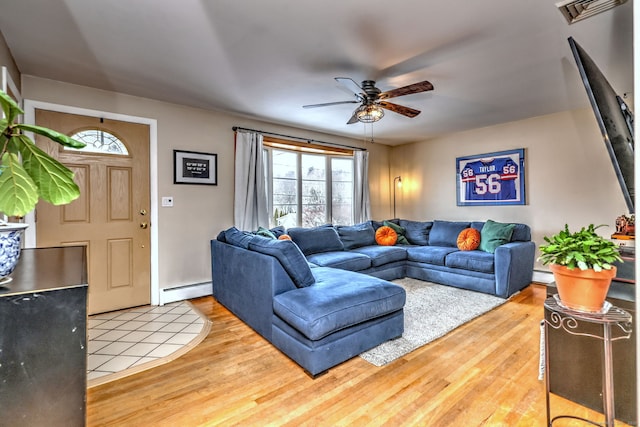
(431, 311)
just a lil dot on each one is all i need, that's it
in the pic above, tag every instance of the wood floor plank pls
(484, 373)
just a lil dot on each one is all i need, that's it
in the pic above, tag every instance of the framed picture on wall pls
(491, 179)
(192, 167)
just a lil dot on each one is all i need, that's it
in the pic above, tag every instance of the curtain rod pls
(315, 141)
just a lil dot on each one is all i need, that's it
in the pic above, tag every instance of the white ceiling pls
(490, 61)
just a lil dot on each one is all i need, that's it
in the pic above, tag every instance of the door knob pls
(144, 225)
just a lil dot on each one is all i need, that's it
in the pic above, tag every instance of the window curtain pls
(250, 203)
(361, 200)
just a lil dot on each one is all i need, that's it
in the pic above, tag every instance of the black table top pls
(45, 269)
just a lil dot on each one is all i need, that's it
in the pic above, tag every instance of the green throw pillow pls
(400, 231)
(494, 234)
(265, 233)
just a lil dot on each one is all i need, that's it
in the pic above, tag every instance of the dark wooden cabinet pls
(575, 362)
(43, 340)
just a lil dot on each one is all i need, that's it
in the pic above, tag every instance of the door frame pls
(30, 107)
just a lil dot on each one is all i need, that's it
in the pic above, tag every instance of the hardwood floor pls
(484, 373)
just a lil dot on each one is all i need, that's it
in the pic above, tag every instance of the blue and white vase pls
(10, 245)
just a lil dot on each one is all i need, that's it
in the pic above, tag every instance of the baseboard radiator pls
(180, 293)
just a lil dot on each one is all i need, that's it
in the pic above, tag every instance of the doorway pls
(112, 215)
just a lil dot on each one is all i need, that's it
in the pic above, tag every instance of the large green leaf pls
(4, 124)
(18, 193)
(53, 179)
(10, 107)
(58, 137)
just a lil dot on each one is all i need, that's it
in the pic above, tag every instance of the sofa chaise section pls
(319, 324)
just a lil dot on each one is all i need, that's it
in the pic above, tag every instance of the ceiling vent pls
(577, 10)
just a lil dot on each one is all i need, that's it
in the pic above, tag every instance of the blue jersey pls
(492, 179)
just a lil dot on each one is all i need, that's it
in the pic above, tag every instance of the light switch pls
(167, 202)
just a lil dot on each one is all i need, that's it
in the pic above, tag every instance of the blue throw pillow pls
(277, 231)
(417, 232)
(290, 257)
(317, 239)
(356, 236)
(235, 237)
(445, 233)
(494, 234)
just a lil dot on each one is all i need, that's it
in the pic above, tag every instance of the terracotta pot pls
(582, 290)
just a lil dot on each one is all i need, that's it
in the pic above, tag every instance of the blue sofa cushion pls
(521, 233)
(345, 260)
(338, 300)
(235, 237)
(429, 254)
(471, 260)
(494, 234)
(381, 255)
(378, 224)
(445, 233)
(289, 255)
(317, 239)
(417, 232)
(355, 236)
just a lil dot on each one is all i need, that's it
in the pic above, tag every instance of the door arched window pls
(99, 141)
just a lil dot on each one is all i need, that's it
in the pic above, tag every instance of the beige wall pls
(6, 60)
(569, 177)
(199, 212)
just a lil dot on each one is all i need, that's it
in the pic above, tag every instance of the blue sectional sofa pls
(324, 296)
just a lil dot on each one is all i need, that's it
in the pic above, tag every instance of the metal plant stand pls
(616, 325)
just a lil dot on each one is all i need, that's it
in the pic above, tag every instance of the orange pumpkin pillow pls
(468, 239)
(386, 236)
(284, 237)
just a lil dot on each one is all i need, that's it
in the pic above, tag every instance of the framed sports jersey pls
(491, 179)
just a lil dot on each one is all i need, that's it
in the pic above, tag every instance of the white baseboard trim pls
(180, 293)
(542, 276)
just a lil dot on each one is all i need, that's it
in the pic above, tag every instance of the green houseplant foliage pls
(584, 249)
(27, 173)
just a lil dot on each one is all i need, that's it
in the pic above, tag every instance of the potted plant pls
(582, 265)
(27, 174)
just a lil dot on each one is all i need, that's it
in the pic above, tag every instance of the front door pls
(111, 216)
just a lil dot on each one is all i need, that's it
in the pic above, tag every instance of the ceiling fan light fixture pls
(369, 113)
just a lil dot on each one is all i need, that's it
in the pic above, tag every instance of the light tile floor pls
(137, 337)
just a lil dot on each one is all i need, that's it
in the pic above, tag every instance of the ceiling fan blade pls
(350, 84)
(400, 109)
(326, 104)
(354, 118)
(407, 90)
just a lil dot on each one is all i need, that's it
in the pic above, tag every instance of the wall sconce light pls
(397, 179)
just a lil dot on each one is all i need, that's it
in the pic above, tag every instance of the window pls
(309, 189)
(99, 141)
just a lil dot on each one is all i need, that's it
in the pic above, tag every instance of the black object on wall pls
(614, 119)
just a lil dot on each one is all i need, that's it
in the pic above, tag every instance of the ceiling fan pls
(372, 99)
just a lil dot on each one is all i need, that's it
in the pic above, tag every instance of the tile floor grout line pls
(111, 353)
